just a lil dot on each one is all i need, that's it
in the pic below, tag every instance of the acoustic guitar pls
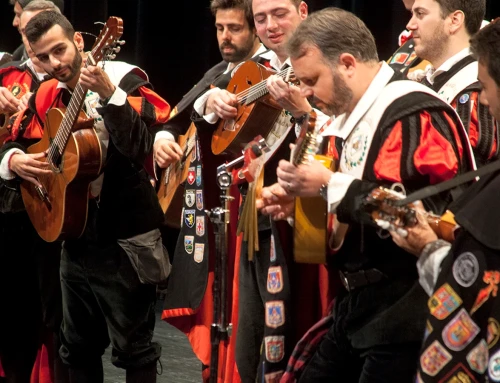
(380, 204)
(58, 209)
(310, 239)
(257, 110)
(171, 190)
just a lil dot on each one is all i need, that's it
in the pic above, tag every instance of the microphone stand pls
(219, 216)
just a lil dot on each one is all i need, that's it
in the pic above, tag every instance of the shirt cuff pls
(201, 102)
(337, 189)
(429, 265)
(5, 172)
(164, 134)
(118, 98)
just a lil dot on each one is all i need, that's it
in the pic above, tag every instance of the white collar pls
(447, 65)
(274, 61)
(343, 124)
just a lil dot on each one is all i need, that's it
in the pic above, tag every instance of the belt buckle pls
(345, 281)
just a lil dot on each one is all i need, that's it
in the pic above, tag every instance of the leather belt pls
(361, 278)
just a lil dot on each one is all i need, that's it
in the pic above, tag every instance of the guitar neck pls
(72, 111)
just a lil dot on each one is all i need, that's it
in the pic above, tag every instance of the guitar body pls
(170, 192)
(256, 114)
(310, 237)
(60, 211)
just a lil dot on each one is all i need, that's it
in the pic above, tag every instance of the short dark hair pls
(24, 3)
(474, 11)
(334, 31)
(244, 5)
(43, 21)
(41, 5)
(485, 46)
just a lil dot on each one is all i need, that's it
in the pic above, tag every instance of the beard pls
(432, 48)
(74, 68)
(238, 54)
(341, 96)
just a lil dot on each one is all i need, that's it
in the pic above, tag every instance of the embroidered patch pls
(275, 348)
(443, 302)
(412, 58)
(272, 255)
(399, 58)
(189, 217)
(275, 314)
(191, 177)
(189, 198)
(464, 98)
(189, 243)
(466, 269)
(198, 175)
(273, 377)
(199, 250)
(460, 331)
(199, 199)
(434, 358)
(493, 332)
(459, 374)
(356, 147)
(491, 278)
(494, 367)
(478, 357)
(274, 279)
(200, 226)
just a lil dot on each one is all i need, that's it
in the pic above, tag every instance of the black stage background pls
(177, 46)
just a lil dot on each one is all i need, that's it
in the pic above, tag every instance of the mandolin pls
(311, 213)
(380, 204)
(58, 208)
(257, 110)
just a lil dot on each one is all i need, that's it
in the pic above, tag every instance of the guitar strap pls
(432, 190)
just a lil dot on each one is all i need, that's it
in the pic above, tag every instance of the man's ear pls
(347, 63)
(78, 40)
(457, 21)
(303, 10)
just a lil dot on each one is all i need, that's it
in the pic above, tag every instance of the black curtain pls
(175, 47)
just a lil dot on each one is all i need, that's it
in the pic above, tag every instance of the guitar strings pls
(62, 135)
(260, 87)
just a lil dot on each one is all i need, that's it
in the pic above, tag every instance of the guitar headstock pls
(380, 205)
(306, 143)
(253, 159)
(105, 46)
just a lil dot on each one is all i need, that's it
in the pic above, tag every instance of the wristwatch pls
(323, 190)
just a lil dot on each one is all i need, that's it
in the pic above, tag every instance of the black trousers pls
(263, 338)
(103, 302)
(30, 295)
(370, 340)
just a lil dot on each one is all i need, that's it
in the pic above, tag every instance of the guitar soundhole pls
(249, 82)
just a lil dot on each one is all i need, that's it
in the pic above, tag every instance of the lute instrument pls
(257, 110)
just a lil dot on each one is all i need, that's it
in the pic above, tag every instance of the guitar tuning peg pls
(117, 49)
(112, 57)
(121, 42)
